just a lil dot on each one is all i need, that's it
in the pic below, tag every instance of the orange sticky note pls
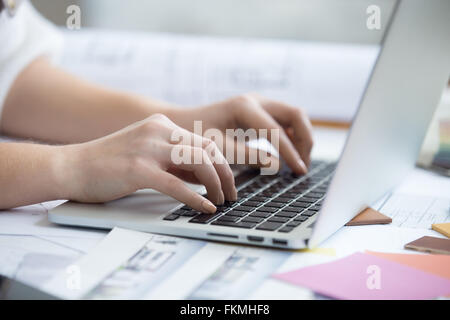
(442, 228)
(369, 216)
(438, 264)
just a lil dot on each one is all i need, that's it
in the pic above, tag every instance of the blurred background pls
(318, 20)
(326, 21)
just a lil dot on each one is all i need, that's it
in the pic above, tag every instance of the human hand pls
(253, 111)
(140, 156)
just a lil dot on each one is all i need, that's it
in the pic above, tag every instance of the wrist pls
(66, 171)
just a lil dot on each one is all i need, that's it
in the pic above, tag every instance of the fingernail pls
(234, 194)
(303, 166)
(221, 198)
(208, 206)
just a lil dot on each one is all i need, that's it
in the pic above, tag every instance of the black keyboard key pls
(259, 198)
(286, 214)
(252, 203)
(260, 214)
(253, 219)
(307, 200)
(309, 213)
(282, 199)
(275, 204)
(269, 226)
(277, 185)
(204, 218)
(266, 194)
(179, 212)
(301, 218)
(246, 225)
(244, 192)
(244, 208)
(286, 229)
(300, 204)
(279, 219)
(222, 207)
(291, 194)
(263, 180)
(293, 224)
(171, 217)
(241, 198)
(316, 195)
(304, 184)
(228, 218)
(191, 213)
(247, 189)
(292, 209)
(236, 213)
(268, 209)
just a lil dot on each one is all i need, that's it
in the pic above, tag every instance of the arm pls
(136, 157)
(47, 104)
(29, 173)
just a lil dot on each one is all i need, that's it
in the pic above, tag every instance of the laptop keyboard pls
(278, 203)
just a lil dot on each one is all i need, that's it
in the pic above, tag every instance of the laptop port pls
(255, 238)
(279, 242)
(222, 235)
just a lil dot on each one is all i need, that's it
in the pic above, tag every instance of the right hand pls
(139, 157)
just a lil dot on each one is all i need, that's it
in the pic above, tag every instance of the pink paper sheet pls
(355, 277)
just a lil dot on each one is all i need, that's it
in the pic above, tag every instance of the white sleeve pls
(23, 38)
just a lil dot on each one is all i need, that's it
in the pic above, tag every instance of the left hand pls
(253, 111)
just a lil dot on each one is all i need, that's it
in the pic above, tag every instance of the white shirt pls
(24, 37)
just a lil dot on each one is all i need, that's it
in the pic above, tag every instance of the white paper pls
(152, 264)
(326, 79)
(112, 251)
(414, 211)
(422, 199)
(135, 265)
(32, 220)
(32, 260)
(423, 182)
(193, 273)
(79, 244)
(384, 238)
(240, 274)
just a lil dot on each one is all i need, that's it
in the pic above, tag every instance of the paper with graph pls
(326, 79)
(412, 211)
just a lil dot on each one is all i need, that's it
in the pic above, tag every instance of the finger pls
(217, 159)
(302, 135)
(222, 168)
(177, 189)
(197, 161)
(297, 120)
(243, 154)
(258, 118)
(184, 175)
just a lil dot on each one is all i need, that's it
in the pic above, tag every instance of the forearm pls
(30, 173)
(48, 104)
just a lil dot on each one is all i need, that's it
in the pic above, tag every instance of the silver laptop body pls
(383, 144)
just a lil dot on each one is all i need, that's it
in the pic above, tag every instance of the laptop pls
(288, 211)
